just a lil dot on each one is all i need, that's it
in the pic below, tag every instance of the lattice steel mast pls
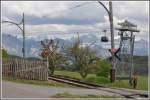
(124, 66)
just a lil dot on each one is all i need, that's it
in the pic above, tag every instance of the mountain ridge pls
(13, 45)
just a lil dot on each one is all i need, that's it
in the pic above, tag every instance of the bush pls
(104, 68)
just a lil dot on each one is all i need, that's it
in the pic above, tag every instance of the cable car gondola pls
(104, 38)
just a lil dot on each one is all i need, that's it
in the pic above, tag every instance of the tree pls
(104, 68)
(49, 51)
(82, 57)
(4, 54)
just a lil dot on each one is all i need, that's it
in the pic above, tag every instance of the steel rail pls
(78, 83)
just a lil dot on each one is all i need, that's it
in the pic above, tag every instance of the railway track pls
(127, 93)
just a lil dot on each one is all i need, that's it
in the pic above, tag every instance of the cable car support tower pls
(124, 66)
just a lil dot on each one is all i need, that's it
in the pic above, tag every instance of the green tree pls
(104, 68)
(4, 54)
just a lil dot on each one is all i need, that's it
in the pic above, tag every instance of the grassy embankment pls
(92, 78)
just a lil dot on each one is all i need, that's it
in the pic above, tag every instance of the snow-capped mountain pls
(14, 45)
(141, 47)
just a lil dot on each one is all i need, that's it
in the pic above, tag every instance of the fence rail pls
(25, 69)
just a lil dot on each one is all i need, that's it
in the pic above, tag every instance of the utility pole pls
(22, 30)
(23, 49)
(110, 14)
(111, 24)
(112, 71)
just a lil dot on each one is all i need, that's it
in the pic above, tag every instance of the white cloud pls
(136, 12)
(37, 8)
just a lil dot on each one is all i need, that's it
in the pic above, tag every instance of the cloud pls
(55, 17)
(37, 8)
(54, 12)
(132, 10)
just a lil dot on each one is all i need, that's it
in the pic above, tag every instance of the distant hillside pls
(28, 58)
(14, 56)
(140, 59)
(33, 58)
(141, 64)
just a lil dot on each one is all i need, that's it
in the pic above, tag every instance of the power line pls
(72, 8)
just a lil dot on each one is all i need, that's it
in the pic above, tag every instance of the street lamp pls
(110, 14)
(22, 30)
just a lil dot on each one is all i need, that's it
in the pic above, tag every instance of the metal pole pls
(23, 49)
(22, 30)
(47, 67)
(132, 39)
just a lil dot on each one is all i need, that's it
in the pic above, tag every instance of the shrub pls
(104, 68)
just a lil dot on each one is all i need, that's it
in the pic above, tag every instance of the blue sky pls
(58, 19)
